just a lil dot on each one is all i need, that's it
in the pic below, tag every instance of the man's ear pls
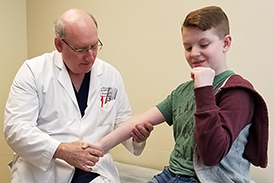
(227, 43)
(58, 44)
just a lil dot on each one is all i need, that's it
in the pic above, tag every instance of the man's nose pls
(90, 54)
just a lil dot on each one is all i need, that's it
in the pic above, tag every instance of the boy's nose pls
(195, 52)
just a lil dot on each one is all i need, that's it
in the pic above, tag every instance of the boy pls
(229, 128)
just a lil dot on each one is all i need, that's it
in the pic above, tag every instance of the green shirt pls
(178, 109)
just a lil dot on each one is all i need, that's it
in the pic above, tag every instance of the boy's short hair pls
(207, 18)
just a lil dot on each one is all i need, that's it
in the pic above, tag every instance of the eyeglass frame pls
(99, 45)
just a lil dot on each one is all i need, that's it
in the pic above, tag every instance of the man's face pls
(81, 34)
(77, 62)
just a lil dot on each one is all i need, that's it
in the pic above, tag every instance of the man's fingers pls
(136, 138)
(85, 145)
(92, 149)
(141, 132)
(86, 168)
(95, 152)
(91, 163)
(148, 126)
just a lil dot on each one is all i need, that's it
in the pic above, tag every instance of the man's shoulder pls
(101, 66)
(45, 58)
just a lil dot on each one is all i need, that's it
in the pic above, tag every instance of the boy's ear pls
(58, 44)
(227, 43)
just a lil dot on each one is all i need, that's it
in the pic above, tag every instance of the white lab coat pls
(42, 111)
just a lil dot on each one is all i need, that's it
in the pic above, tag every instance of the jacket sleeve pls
(218, 123)
(20, 123)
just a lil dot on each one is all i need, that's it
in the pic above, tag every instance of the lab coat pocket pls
(106, 104)
(107, 97)
(107, 113)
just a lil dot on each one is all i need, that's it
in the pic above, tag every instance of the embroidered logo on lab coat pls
(107, 95)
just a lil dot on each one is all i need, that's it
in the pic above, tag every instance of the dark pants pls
(80, 176)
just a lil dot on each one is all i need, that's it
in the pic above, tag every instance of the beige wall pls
(13, 51)
(142, 40)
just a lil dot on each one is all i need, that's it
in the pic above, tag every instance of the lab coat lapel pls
(64, 79)
(95, 81)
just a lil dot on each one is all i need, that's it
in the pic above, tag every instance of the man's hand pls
(75, 155)
(202, 76)
(96, 145)
(141, 132)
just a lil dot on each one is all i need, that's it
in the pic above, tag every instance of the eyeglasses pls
(96, 47)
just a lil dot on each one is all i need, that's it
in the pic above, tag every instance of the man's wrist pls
(58, 152)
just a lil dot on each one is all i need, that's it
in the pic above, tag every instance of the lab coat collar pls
(64, 79)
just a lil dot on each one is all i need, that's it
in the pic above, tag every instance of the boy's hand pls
(141, 132)
(202, 76)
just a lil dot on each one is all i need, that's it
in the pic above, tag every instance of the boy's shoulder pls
(188, 85)
(236, 81)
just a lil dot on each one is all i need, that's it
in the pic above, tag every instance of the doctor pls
(62, 99)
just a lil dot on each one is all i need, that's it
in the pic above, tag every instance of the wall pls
(142, 40)
(13, 51)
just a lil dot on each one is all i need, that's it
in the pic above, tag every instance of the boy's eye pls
(188, 48)
(204, 45)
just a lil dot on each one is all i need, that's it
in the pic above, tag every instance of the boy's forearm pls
(123, 132)
(119, 135)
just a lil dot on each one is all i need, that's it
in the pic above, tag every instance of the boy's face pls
(205, 48)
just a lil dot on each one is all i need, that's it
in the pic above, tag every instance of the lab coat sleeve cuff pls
(134, 147)
(48, 159)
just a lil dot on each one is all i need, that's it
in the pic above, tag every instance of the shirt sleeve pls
(165, 108)
(219, 122)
